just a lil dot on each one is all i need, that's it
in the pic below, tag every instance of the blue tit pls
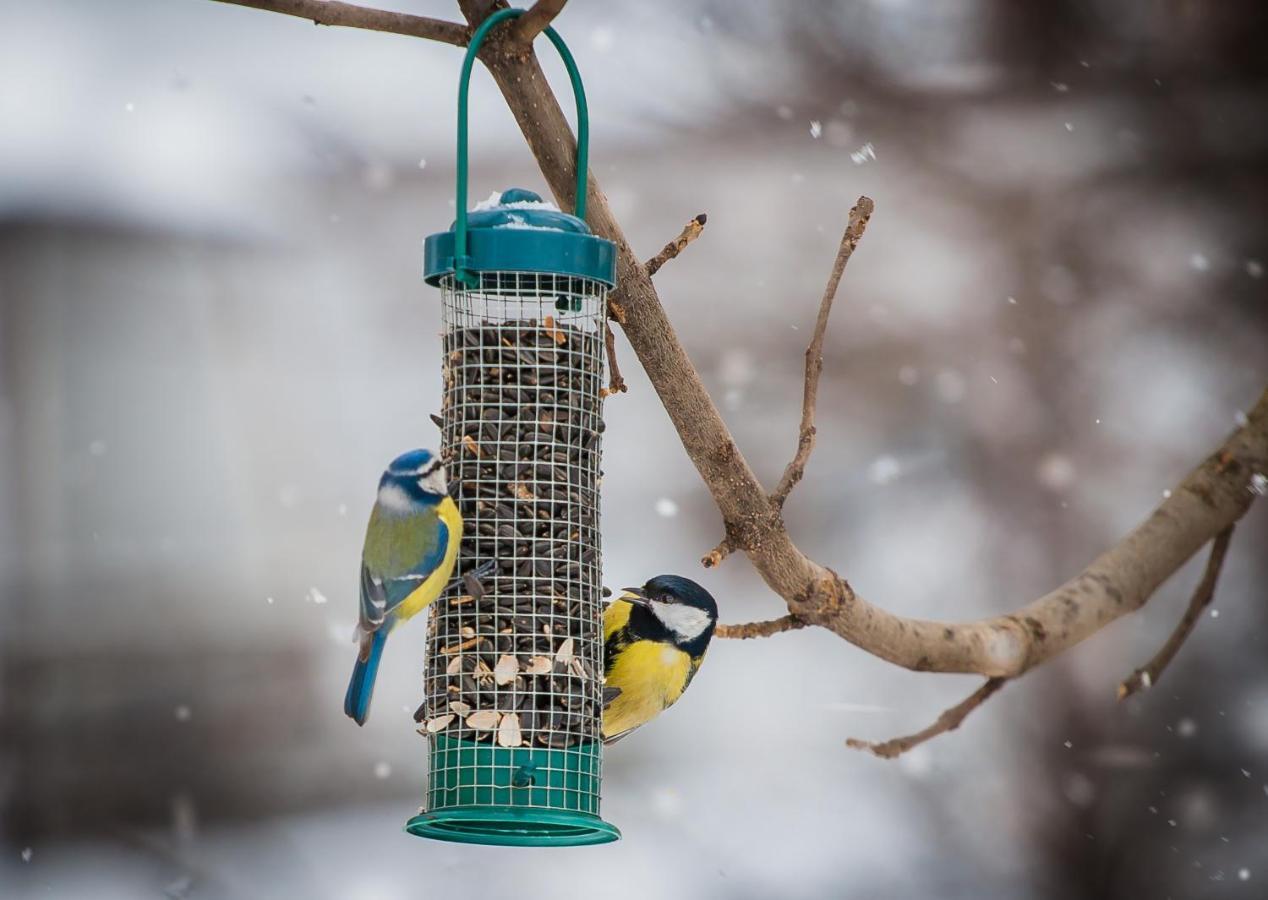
(654, 640)
(410, 547)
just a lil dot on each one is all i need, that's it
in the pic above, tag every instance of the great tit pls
(410, 547)
(655, 638)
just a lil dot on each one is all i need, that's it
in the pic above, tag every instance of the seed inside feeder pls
(521, 432)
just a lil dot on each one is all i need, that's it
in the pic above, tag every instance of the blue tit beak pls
(637, 596)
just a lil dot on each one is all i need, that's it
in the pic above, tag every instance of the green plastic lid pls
(521, 233)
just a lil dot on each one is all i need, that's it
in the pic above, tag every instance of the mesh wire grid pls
(521, 665)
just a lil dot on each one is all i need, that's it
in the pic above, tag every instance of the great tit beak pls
(637, 596)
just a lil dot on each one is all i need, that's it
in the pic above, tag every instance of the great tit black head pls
(683, 610)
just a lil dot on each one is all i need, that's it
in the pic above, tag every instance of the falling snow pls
(863, 154)
(816, 128)
(315, 596)
(382, 770)
(1186, 728)
(422, 163)
(27, 853)
(1243, 874)
(183, 713)
(1254, 268)
(1069, 126)
(908, 375)
(1060, 86)
(1199, 262)
(666, 508)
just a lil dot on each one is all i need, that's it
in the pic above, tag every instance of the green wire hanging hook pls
(461, 273)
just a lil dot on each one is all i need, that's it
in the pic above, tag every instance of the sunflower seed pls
(483, 720)
(506, 669)
(509, 731)
(436, 724)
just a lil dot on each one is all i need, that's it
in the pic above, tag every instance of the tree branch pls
(616, 384)
(1119, 581)
(689, 233)
(715, 556)
(1147, 675)
(948, 721)
(855, 226)
(535, 21)
(352, 16)
(760, 629)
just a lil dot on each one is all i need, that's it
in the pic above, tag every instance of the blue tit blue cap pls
(521, 233)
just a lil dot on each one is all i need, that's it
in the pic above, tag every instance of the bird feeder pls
(514, 669)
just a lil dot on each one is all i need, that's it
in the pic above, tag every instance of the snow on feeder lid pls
(514, 669)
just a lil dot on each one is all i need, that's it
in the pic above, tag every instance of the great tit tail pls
(356, 703)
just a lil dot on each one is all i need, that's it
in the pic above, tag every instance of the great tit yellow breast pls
(650, 676)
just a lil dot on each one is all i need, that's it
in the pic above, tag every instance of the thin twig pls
(616, 384)
(1147, 675)
(715, 556)
(854, 228)
(352, 16)
(948, 721)
(534, 22)
(689, 233)
(760, 629)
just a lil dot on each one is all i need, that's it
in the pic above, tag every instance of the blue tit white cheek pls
(434, 482)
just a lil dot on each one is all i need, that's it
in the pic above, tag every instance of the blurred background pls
(214, 335)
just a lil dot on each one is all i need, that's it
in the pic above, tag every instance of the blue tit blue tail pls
(356, 703)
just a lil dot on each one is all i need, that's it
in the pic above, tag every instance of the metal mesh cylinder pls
(514, 673)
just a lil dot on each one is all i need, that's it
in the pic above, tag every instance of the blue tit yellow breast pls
(651, 676)
(431, 586)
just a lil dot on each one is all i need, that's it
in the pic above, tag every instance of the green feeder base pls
(514, 797)
(510, 826)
